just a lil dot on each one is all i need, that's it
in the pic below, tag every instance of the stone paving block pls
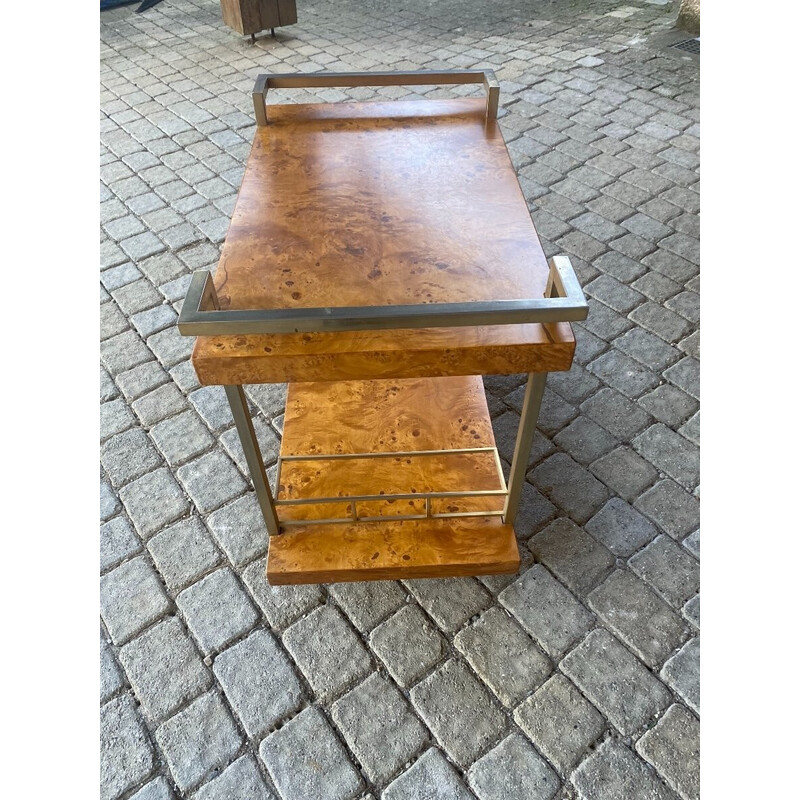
(329, 653)
(240, 781)
(211, 481)
(157, 789)
(682, 673)
(503, 656)
(165, 401)
(614, 772)
(686, 375)
(212, 405)
(692, 543)
(131, 598)
(691, 429)
(111, 677)
(112, 321)
(624, 472)
(126, 754)
(184, 376)
(660, 321)
(673, 509)
(115, 417)
(368, 603)
(281, 605)
(164, 668)
(505, 429)
(621, 528)
(108, 389)
(554, 413)
(128, 455)
(605, 323)
(182, 437)
(239, 529)
(217, 610)
(671, 453)
(305, 759)
(379, 727)
(123, 352)
(669, 405)
(118, 274)
(673, 747)
(409, 644)
(623, 373)
(691, 611)
(570, 486)
(624, 690)
(459, 711)
(574, 386)
(617, 295)
(638, 617)
(170, 347)
(117, 542)
(137, 296)
(142, 379)
(534, 512)
(546, 610)
(647, 349)
(109, 502)
(620, 267)
(183, 552)
(430, 778)
(560, 722)
(450, 601)
(200, 738)
(573, 556)
(513, 771)
(152, 501)
(257, 678)
(669, 569)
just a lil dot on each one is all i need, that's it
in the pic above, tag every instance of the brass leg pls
(527, 428)
(252, 454)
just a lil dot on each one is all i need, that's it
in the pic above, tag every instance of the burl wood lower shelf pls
(389, 478)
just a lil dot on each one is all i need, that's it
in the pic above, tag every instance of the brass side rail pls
(319, 80)
(352, 500)
(200, 314)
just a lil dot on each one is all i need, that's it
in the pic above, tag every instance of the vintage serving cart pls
(380, 259)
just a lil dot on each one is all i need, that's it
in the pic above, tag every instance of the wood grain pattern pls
(391, 550)
(393, 416)
(380, 204)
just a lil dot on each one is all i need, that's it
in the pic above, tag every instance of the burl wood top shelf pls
(381, 258)
(380, 204)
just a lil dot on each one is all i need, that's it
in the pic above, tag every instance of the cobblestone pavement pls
(576, 678)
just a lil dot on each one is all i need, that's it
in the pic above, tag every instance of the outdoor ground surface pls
(576, 678)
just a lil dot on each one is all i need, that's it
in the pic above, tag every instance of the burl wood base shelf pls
(400, 459)
(380, 259)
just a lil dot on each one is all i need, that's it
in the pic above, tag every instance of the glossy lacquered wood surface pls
(405, 202)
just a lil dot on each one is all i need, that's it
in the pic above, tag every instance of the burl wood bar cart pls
(380, 259)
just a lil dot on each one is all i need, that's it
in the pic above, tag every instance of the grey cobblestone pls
(673, 509)
(669, 405)
(211, 481)
(667, 567)
(126, 755)
(367, 603)
(152, 501)
(111, 677)
(624, 472)
(450, 601)
(197, 740)
(682, 673)
(142, 379)
(621, 528)
(670, 452)
(615, 681)
(560, 722)
(305, 759)
(157, 789)
(673, 747)
(513, 771)
(257, 678)
(616, 414)
(430, 778)
(570, 486)
(615, 773)
(379, 727)
(117, 542)
(164, 668)
(573, 556)
(131, 598)
(638, 617)
(503, 656)
(549, 613)
(240, 781)
(183, 552)
(328, 651)
(459, 711)
(409, 645)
